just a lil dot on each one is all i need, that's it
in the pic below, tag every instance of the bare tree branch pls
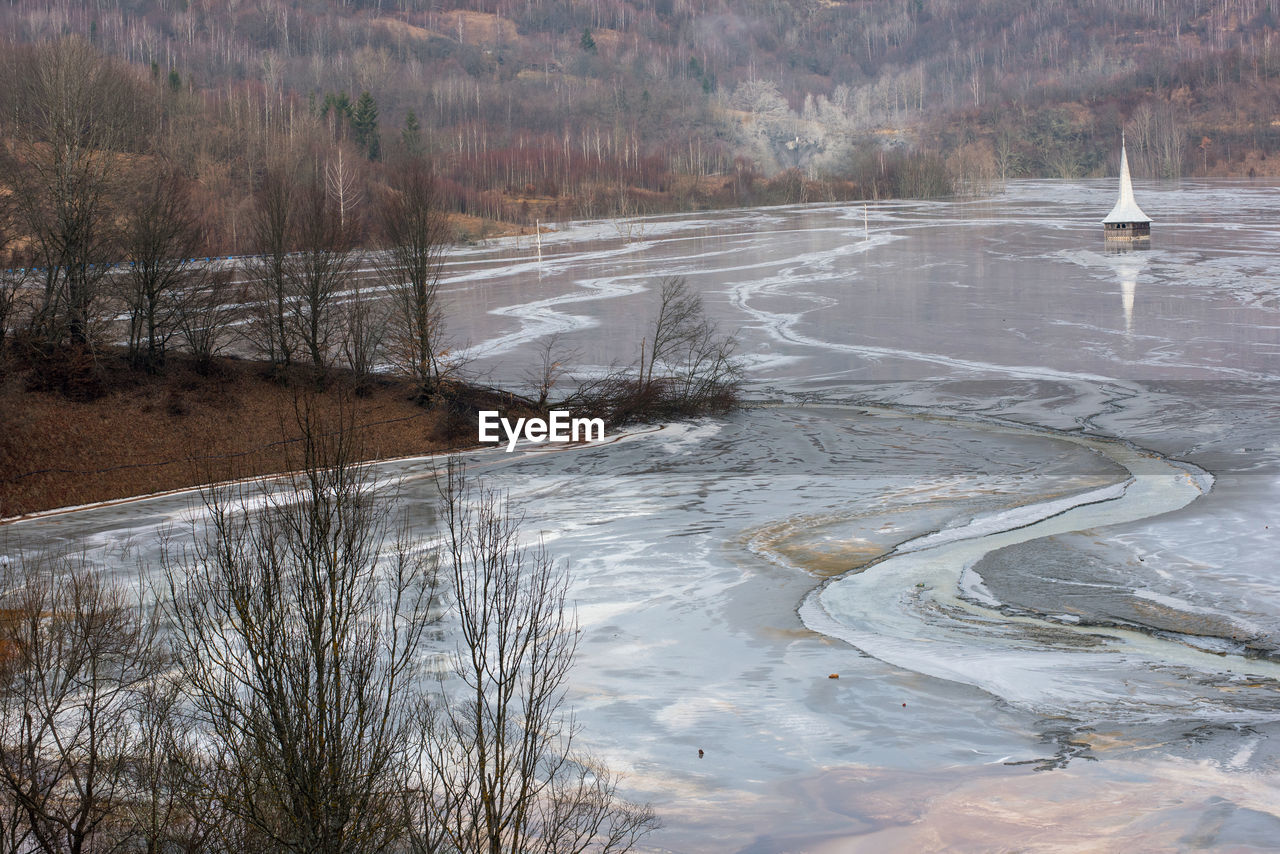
(299, 617)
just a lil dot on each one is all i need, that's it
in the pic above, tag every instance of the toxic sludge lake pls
(1016, 490)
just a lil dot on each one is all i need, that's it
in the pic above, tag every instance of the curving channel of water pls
(923, 608)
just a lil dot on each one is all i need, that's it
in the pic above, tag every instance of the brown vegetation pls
(548, 109)
(185, 428)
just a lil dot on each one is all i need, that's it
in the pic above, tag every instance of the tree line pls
(303, 674)
(108, 249)
(105, 238)
(549, 109)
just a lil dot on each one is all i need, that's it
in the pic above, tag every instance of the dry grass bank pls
(148, 434)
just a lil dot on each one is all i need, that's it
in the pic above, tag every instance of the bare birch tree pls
(342, 181)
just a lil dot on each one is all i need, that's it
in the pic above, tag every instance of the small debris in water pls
(834, 676)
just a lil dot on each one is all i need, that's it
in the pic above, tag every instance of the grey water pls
(953, 370)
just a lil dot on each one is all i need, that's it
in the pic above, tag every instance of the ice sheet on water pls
(689, 565)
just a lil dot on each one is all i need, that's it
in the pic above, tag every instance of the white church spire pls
(1126, 209)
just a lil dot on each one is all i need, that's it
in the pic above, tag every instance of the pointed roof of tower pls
(1126, 209)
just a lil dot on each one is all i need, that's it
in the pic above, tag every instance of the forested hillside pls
(549, 109)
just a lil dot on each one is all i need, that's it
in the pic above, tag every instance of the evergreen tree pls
(365, 126)
(412, 134)
(337, 110)
(587, 43)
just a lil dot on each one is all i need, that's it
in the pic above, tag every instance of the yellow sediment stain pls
(1130, 806)
(832, 543)
(819, 544)
(790, 634)
(833, 559)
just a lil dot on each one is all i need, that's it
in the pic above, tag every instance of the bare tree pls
(342, 183)
(273, 238)
(678, 324)
(364, 334)
(71, 114)
(686, 367)
(206, 314)
(160, 239)
(549, 367)
(416, 231)
(503, 773)
(698, 371)
(318, 271)
(162, 814)
(12, 277)
(299, 617)
(78, 654)
(11, 286)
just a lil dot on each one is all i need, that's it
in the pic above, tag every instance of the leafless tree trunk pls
(206, 313)
(679, 322)
(503, 773)
(71, 115)
(299, 627)
(15, 836)
(366, 330)
(342, 183)
(417, 233)
(273, 240)
(549, 367)
(160, 239)
(13, 278)
(79, 653)
(318, 271)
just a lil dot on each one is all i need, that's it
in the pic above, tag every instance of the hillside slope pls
(547, 109)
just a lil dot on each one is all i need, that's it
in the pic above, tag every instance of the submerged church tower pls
(1126, 220)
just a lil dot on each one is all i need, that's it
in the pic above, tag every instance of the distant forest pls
(546, 110)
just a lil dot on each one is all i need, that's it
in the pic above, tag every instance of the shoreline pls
(716, 656)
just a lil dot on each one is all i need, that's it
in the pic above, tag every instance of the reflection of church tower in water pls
(1126, 223)
(1128, 268)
